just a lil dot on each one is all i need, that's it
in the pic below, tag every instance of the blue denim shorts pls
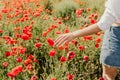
(110, 50)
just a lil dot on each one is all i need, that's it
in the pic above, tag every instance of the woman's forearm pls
(86, 31)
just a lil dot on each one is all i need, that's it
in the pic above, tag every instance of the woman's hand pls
(63, 39)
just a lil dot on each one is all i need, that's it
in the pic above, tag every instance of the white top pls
(111, 14)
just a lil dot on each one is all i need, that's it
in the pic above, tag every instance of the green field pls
(28, 29)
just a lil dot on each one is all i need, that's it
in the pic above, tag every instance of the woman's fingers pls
(64, 43)
(58, 39)
(61, 41)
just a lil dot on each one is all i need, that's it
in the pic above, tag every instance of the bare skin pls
(109, 73)
(66, 38)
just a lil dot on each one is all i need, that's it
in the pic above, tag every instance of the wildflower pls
(5, 64)
(50, 42)
(88, 9)
(7, 53)
(4, 10)
(58, 32)
(15, 71)
(59, 22)
(79, 11)
(34, 77)
(96, 16)
(50, 29)
(92, 21)
(98, 33)
(60, 47)
(86, 58)
(52, 53)
(81, 47)
(53, 79)
(97, 45)
(54, 26)
(37, 45)
(29, 67)
(19, 59)
(70, 77)
(44, 34)
(62, 59)
(1, 31)
(22, 50)
(17, 28)
(88, 38)
(70, 55)
(27, 61)
(54, 19)
(25, 37)
(35, 60)
(74, 42)
(32, 22)
(36, 14)
(98, 40)
(67, 31)
(31, 57)
(101, 78)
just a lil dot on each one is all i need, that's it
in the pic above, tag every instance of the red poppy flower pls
(101, 78)
(53, 79)
(37, 45)
(79, 11)
(81, 47)
(98, 40)
(62, 59)
(34, 77)
(50, 42)
(19, 59)
(5, 64)
(7, 53)
(52, 53)
(86, 58)
(27, 61)
(70, 77)
(70, 55)
(25, 37)
(97, 45)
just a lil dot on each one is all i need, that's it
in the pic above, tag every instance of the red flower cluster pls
(15, 71)
(24, 30)
(27, 34)
(93, 18)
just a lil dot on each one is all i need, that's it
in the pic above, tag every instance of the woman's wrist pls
(86, 31)
(75, 34)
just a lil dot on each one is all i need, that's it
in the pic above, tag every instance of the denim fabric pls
(110, 50)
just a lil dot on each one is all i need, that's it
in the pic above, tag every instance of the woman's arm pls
(66, 38)
(86, 31)
(105, 22)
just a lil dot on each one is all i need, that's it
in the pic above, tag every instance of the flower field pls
(28, 29)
